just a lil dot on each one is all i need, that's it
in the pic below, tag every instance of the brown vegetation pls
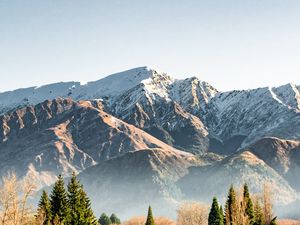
(288, 222)
(14, 196)
(192, 213)
(140, 220)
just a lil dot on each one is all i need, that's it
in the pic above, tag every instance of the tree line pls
(70, 205)
(242, 209)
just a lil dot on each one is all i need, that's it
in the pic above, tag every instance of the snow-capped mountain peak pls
(288, 95)
(143, 79)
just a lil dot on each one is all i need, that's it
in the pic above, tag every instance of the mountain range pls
(141, 137)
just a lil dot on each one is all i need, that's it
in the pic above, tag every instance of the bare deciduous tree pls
(14, 196)
(140, 220)
(192, 213)
(267, 203)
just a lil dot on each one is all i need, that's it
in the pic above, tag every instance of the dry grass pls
(141, 221)
(288, 222)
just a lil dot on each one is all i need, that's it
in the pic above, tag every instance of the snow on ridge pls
(192, 93)
(289, 94)
(154, 84)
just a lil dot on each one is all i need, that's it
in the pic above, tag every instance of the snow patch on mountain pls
(289, 95)
(254, 113)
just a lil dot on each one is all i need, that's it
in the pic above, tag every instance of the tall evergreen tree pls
(88, 217)
(215, 216)
(44, 209)
(249, 211)
(258, 213)
(150, 219)
(104, 219)
(74, 202)
(222, 214)
(114, 219)
(73, 197)
(80, 212)
(231, 208)
(59, 203)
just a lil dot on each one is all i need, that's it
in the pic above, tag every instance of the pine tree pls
(80, 212)
(44, 209)
(59, 203)
(114, 219)
(231, 208)
(104, 219)
(88, 214)
(74, 202)
(258, 213)
(222, 214)
(150, 219)
(215, 215)
(248, 204)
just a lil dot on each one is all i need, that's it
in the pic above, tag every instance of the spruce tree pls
(80, 212)
(222, 214)
(215, 216)
(59, 203)
(150, 219)
(104, 219)
(44, 209)
(88, 217)
(114, 219)
(231, 208)
(249, 211)
(258, 213)
(74, 202)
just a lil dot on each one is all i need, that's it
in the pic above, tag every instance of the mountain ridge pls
(149, 118)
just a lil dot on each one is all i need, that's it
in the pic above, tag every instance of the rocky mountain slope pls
(254, 114)
(151, 128)
(281, 155)
(62, 136)
(213, 180)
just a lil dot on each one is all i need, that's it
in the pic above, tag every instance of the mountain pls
(282, 155)
(142, 96)
(202, 182)
(61, 136)
(146, 132)
(254, 114)
(136, 180)
(165, 107)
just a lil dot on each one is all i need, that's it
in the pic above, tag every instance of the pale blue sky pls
(232, 44)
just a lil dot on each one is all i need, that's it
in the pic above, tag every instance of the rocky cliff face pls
(61, 136)
(281, 155)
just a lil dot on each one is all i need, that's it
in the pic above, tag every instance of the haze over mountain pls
(142, 131)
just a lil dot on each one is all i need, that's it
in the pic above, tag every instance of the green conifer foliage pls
(231, 208)
(222, 213)
(104, 219)
(44, 209)
(114, 219)
(88, 217)
(248, 205)
(258, 213)
(215, 215)
(74, 202)
(80, 212)
(150, 219)
(59, 203)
